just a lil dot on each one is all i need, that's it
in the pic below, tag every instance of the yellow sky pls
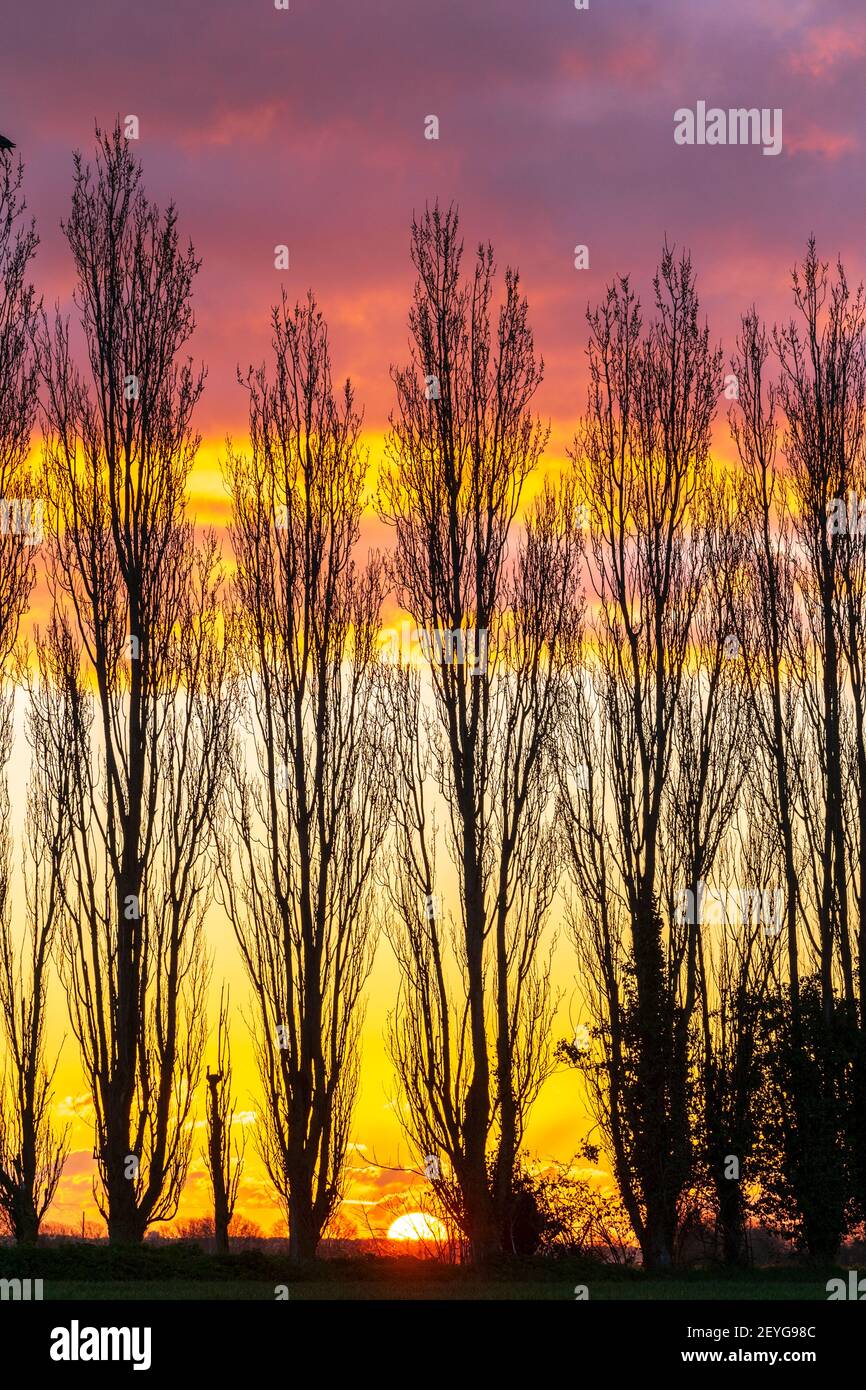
(374, 1194)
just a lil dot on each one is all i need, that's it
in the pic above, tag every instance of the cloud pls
(832, 144)
(78, 1107)
(79, 1163)
(829, 48)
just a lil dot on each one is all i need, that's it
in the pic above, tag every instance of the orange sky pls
(556, 129)
(375, 1194)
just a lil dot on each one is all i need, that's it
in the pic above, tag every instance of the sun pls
(417, 1225)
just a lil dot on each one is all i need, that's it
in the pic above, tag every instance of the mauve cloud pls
(305, 127)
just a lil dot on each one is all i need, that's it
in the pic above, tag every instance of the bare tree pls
(806, 679)
(224, 1159)
(710, 734)
(822, 392)
(470, 1035)
(642, 471)
(135, 653)
(29, 1159)
(770, 621)
(32, 1151)
(296, 873)
(740, 981)
(20, 517)
(724, 954)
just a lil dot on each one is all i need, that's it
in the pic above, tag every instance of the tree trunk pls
(304, 1234)
(25, 1222)
(482, 1232)
(656, 1159)
(220, 1196)
(732, 1226)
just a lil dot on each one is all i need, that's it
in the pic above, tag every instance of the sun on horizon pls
(417, 1226)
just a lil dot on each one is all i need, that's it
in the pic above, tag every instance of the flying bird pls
(6, 144)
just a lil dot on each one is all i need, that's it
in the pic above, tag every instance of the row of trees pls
(719, 712)
(670, 693)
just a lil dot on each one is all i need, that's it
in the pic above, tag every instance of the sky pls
(306, 128)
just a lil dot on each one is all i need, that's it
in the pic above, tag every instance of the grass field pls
(753, 1290)
(180, 1271)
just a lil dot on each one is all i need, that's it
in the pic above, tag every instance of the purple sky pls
(556, 128)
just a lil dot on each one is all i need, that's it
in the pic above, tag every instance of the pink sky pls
(306, 127)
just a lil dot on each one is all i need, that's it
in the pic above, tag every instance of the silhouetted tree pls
(804, 1173)
(224, 1159)
(738, 967)
(642, 473)
(769, 625)
(135, 653)
(725, 959)
(31, 1155)
(470, 1034)
(822, 393)
(304, 834)
(32, 1151)
(20, 518)
(804, 668)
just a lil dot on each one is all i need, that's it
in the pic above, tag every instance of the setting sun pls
(417, 1225)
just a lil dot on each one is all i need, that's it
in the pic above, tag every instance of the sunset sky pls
(306, 128)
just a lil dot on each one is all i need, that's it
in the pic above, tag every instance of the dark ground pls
(181, 1270)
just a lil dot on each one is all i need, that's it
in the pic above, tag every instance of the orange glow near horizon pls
(417, 1226)
(559, 1121)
